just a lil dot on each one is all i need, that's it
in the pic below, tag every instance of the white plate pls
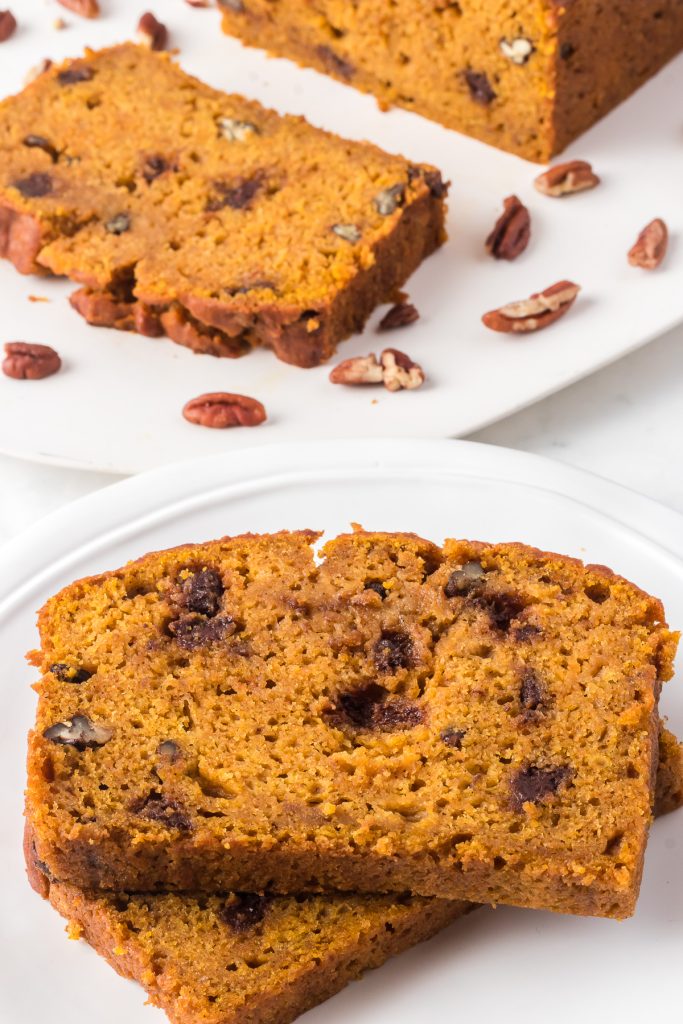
(116, 406)
(514, 966)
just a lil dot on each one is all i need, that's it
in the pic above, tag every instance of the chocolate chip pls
(465, 580)
(156, 807)
(502, 608)
(334, 63)
(69, 673)
(202, 592)
(378, 587)
(567, 50)
(349, 232)
(169, 750)
(244, 911)
(394, 650)
(74, 74)
(35, 185)
(154, 167)
(236, 131)
(532, 695)
(193, 631)
(453, 737)
(42, 867)
(79, 732)
(532, 784)
(39, 142)
(480, 88)
(236, 196)
(389, 199)
(118, 225)
(372, 707)
(401, 315)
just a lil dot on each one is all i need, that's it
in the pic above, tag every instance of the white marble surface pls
(624, 423)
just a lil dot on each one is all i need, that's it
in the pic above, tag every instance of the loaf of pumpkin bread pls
(469, 721)
(528, 77)
(187, 212)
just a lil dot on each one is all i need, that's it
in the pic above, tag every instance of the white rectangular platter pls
(116, 406)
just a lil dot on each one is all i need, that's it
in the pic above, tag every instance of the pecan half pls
(512, 230)
(24, 361)
(400, 315)
(219, 410)
(565, 179)
(399, 372)
(650, 247)
(536, 312)
(151, 32)
(86, 8)
(357, 370)
(8, 24)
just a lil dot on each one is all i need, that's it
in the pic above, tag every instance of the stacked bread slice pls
(231, 735)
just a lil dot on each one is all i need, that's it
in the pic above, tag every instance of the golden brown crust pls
(473, 721)
(183, 232)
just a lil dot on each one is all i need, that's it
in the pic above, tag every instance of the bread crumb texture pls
(470, 721)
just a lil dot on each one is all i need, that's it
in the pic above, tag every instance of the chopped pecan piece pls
(533, 314)
(79, 732)
(399, 371)
(394, 369)
(388, 200)
(565, 179)
(517, 50)
(512, 230)
(357, 370)
(349, 232)
(650, 247)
